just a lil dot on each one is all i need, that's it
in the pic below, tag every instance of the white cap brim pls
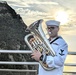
(52, 22)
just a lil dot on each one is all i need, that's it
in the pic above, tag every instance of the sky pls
(32, 10)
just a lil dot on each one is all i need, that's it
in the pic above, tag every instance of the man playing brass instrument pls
(59, 46)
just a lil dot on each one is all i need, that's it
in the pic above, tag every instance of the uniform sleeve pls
(58, 60)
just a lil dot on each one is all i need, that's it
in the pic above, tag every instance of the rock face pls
(12, 33)
(12, 28)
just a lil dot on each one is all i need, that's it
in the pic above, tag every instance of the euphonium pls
(39, 41)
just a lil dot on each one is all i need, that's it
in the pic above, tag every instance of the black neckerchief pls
(54, 39)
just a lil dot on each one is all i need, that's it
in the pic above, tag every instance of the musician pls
(59, 46)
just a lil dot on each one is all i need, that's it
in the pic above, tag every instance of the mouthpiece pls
(49, 32)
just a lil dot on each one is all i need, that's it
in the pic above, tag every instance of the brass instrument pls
(39, 41)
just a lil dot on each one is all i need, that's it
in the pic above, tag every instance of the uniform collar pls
(54, 39)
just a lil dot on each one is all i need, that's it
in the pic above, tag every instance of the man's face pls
(53, 30)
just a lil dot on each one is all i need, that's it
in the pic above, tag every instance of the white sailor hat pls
(52, 22)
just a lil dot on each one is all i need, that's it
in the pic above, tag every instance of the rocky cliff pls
(12, 33)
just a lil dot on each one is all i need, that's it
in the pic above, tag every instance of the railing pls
(27, 63)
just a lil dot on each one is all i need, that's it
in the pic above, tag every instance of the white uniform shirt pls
(57, 62)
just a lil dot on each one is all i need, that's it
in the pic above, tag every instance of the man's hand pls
(36, 55)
